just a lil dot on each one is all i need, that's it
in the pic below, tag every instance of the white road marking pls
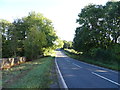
(77, 65)
(63, 81)
(99, 67)
(96, 66)
(106, 79)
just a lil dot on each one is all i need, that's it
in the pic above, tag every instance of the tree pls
(34, 43)
(67, 44)
(113, 19)
(59, 43)
(5, 29)
(44, 35)
(30, 36)
(99, 29)
(90, 34)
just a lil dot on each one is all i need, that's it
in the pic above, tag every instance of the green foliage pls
(5, 28)
(6, 50)
(102, 54)
(116, 52)
(109, 64)
(34, 43)
(30, 36)
(59, 43)
(68, 44)
(98, 32)
(41, 35)
(113, 19)
(98, 25)
(50, 50)
(72, 51)
(90, 34)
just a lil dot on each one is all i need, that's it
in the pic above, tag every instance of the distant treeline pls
(98, 31)
(30, 36)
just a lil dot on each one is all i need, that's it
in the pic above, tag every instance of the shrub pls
(116, 52)
(101, 54)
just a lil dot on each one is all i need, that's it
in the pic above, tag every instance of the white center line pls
(77, 65)
(106, 79)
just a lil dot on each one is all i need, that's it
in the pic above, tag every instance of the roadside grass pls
(111, 65)
(32, 74)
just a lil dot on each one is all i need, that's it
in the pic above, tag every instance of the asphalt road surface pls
(77, 74)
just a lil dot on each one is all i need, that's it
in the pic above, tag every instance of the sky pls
(63, 13)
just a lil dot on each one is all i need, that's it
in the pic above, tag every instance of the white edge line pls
(106, 79)
(63, 81)
(99, 67)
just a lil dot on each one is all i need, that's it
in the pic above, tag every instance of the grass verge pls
(110, 65)
(32, 74)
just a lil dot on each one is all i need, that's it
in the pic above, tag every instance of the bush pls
(116, 52)
(101, 54)
(72, 51)
(109, 55)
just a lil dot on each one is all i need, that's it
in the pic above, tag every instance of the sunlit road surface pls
(77, 74)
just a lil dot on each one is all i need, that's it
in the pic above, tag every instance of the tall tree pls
(5, 29)
(34, 43)
(44, 34)
(99, 27)
(113, 19)
(90, 33)
(30, 36)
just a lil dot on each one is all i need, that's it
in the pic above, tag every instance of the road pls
(77, 74)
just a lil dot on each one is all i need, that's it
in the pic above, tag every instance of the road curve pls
(77, 74)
